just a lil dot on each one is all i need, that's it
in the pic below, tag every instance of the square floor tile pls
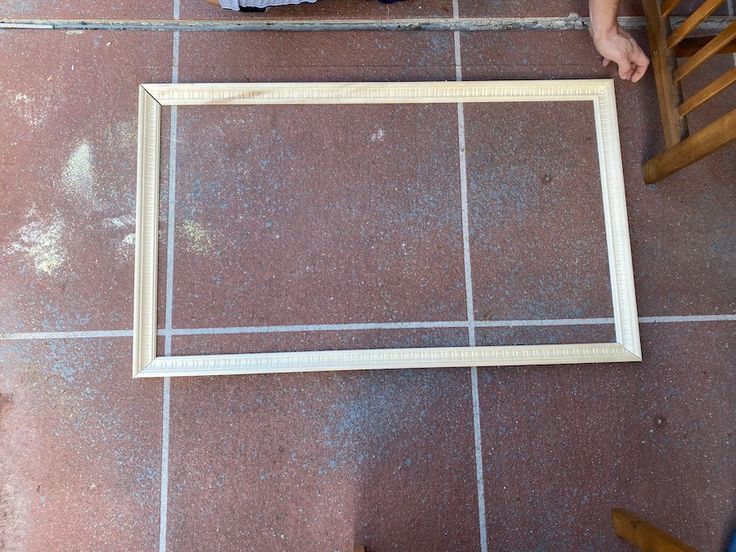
(564, 445)
(537, 233)
(316, 57)
(543, 55)
(69, 176)
(325, 9)
(81, 447)
(318, 214)
(79, 9)
(684, 262)
(319, 462)
(546, 335)
(559, 8)
(684, 244)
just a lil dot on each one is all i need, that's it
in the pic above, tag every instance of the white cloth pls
(237, 4)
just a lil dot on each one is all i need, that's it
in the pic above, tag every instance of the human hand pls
(620, 47)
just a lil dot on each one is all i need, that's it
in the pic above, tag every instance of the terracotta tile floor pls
(307, 216)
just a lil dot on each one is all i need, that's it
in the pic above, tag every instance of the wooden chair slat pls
(707, 8)
(645, 536)
(668, 6)
(707, 140)
(726, 36)
(707, 92)
(690, 46)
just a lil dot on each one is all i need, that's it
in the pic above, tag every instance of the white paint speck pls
(378, 135)
(120, 222)
(35, 112)
(126, 247)
(40, 240)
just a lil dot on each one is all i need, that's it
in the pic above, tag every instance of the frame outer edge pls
(617, 223)
(146, 235)
(599, 91)
(375, 359)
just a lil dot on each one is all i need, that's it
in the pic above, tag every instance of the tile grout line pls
(323, 327)
(164, 496)
(85, 334)
(171, 214)
(688, 318)
(392, 326)
(170, 226)
(96, 334)
(463, 185)
(479, 476)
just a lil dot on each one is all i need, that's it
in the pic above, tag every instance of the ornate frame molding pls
(600, 92)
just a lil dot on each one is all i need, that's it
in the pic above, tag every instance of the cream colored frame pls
(600, 92)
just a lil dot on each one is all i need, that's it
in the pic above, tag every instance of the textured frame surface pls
(600, 92)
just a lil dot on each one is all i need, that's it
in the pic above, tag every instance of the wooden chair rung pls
(645, 536)
(707, 8)
(668, 6)
(690, 46)
(707, 92)
(726, 36)
(707, 140)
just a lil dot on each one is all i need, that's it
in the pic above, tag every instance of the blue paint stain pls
(380, 419)
(148, 475)
(60, 362)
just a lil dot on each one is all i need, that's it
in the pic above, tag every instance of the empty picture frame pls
(601, 92)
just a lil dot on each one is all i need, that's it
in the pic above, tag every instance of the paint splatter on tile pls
(378, 135)
(34, 111)
(78, 177)
(125, 249)
(11, 528)
(41, 241)
(123, 221)
(197, 236)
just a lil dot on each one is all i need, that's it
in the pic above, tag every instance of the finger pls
(605, 62)
(639, 57)
(624, 71)
(638, 73)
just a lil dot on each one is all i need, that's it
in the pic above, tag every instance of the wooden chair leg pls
(359, 548)
(645, 536)
(707, 140)
(669, 92)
